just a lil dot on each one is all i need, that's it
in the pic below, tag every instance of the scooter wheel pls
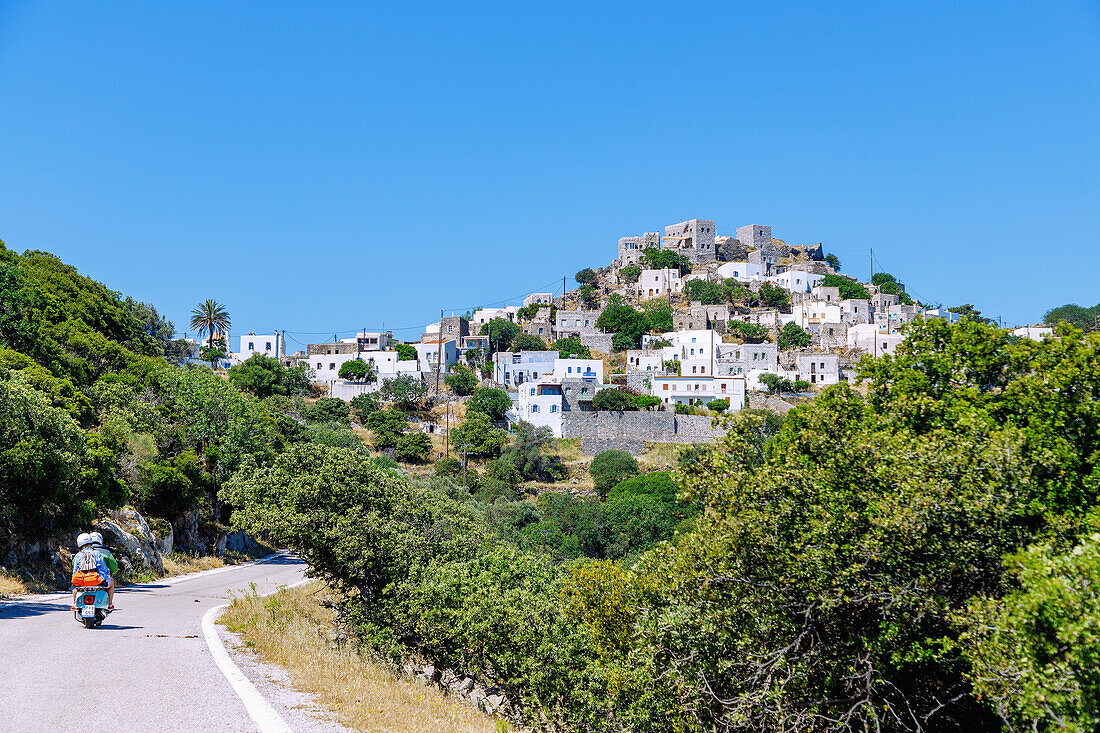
(89, 623)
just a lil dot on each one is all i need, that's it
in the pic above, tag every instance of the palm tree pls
(210, 317)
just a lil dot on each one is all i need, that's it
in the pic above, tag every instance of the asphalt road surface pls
(146, 667)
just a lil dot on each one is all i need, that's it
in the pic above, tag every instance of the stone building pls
(454, 327)
(576, 322)
(702, 317)
(756, 236)
(541, 298)
(540, 325)
(739, 359)
(882, 301)
(341, 347)
(694, 238)
(832, 335)
(630, 248)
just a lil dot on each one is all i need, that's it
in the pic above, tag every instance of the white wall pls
(655, 283)
(743, 271)
(798, 281)
(266, 344)
(688, 390)
(590, 370)
(541, 410)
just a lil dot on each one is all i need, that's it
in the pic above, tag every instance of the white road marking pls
(260, 710)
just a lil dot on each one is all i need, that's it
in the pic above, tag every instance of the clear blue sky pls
(319, 167)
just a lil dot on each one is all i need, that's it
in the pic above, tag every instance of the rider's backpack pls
(86, 570)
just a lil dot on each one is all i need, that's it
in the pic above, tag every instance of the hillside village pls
(682, 324)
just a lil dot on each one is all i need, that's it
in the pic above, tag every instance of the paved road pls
(147, 667)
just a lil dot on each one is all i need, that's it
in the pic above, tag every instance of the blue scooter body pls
(91, 606)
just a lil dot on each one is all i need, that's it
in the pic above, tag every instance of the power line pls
(553, 283)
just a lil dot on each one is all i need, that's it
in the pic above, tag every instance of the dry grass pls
(177, 564)
(660, 454)
(287, 629)
(12, 585)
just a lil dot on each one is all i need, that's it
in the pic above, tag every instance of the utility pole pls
(439, 353)
(872, 265)
(464, 447)
(543, 532)
(447, 432)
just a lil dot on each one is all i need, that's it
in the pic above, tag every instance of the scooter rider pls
(90, 570)
(112, 564)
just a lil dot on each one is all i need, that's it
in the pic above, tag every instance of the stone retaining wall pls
(601, 342)
(629, 430)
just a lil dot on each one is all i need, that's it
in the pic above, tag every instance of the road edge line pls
(265, 716)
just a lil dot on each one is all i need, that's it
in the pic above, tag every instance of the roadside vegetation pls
(875, 562)
(296, 628)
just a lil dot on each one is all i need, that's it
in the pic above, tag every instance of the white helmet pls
(83, 539)
(97, 538)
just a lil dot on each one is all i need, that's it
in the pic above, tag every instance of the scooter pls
(91, 606)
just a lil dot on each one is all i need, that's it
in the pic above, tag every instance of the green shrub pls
(363, 405)
(327, 409)
(413, 447)
(613, 398)
(387, 426)
(491, 402)
(448, 467)
(611, 467)
(462, 380)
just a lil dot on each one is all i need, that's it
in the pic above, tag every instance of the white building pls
(696, 344)
(515, 368)
(483, 315)
(700, 390)
(1036, 333)
(817, 369)
(810, 314)
(326, 367)
(657, 283)
(539, 403)
(944, 314)
(586, 370)
(389, 364)
(743, 271)
(266, 344)
(866, 336)
(428, 354)
(797, 281)
(645, 360)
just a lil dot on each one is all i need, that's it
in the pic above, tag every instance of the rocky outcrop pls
(489, 698)
(238, 541)
(128, 532)
(187, 537)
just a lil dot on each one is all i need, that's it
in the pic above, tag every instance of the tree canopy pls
(501, 333)
(849, 288)
(462, 380)
(793, 336)
(627, 324)
(492, 402)
(654, 258)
